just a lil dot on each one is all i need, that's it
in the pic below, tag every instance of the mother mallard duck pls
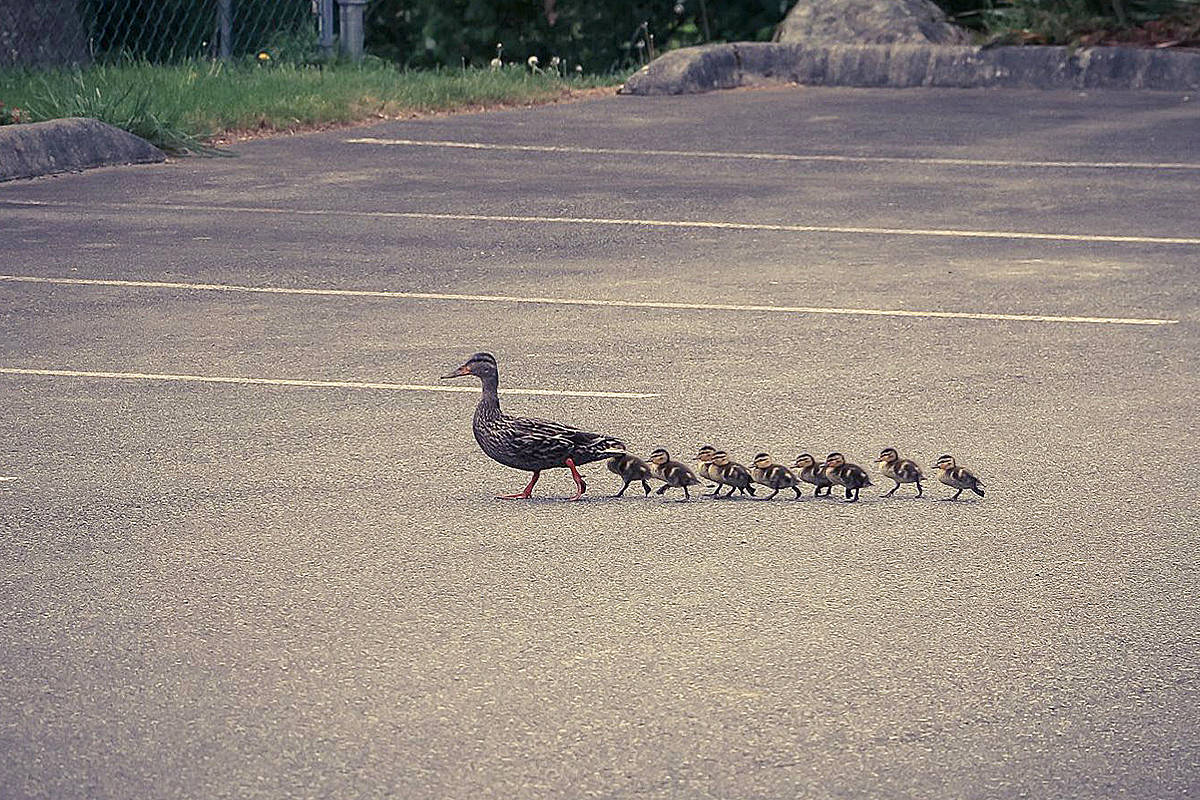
(529, 443)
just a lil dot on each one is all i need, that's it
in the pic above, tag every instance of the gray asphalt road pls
(237, 588)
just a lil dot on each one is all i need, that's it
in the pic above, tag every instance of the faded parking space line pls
(782, 157)
(576, 301)
(408, 387)
(1091, 238)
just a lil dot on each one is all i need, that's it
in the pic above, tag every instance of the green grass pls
(185, 107)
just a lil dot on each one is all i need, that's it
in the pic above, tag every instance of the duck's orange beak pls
(463, 370)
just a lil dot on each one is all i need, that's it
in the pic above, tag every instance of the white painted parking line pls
(577, 301)
(1092, 238)
(782, 157)
(408, 387)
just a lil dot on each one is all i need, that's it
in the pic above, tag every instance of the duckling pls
(900, 470)
(774, 476)
(957, 477)
(706, 468)
(732, 474)
(672, 473)
(630, 468)
(851, 476)
(814, 473)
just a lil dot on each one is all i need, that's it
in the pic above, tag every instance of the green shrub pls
(1060, 21)
(601, 37)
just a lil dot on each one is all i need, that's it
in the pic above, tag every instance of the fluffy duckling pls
(672, 473)
(706, 468)
(851, 476)
(814, 473)
(957, 477)
(732, 474)
(900, 470)
(774, 476)
(630, 468)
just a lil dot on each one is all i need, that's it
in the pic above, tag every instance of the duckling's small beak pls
(460, 371)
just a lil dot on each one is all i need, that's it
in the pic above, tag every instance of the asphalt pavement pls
(249, 549)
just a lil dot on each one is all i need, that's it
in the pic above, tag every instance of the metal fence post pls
(325, 27)
(351, 27)
(225, 27)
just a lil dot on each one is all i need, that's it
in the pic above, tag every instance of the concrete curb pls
(726, 66)
(69, 145)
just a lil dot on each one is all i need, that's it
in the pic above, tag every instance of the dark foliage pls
(1063, 21)
(173, 30)
(599, 35)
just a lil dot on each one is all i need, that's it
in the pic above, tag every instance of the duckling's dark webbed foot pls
(919, 490)
(623, 488)
(772, 494)
(646, 486)
(892, 491)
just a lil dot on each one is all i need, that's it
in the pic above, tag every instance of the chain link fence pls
(41, 33)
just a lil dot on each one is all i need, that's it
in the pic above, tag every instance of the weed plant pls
(183, 107)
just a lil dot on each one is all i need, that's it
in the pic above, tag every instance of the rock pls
(868, 22)
(726, 66)
(68, 145)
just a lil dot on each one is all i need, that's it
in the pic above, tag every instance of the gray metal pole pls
(351, 19)
(225, 28)
(325, 28)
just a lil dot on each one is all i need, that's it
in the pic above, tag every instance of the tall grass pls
(184, 107)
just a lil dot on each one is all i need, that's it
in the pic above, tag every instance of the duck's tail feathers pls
(607, 446)
(978, 489)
